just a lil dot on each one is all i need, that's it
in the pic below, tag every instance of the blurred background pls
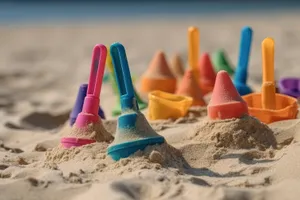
(46, 46)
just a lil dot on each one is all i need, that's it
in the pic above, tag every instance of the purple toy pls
(289, 86)
(79, 103)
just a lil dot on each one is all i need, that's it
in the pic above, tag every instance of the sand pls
(42, 67)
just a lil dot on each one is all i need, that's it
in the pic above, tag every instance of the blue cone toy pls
(79, 103)
(241, 73)
(133, 130)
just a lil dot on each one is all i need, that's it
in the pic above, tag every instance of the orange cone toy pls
(226, 103)
(177, 66)
(189, 85)
(158, 76)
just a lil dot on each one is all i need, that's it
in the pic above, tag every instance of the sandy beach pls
(42, 66)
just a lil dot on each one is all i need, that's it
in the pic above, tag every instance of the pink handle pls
(97, 70)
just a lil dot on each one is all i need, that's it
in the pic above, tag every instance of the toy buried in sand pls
(163, 105)
(189, 85)
(241, 72)
(89, 114)
(133, 131)
(221, 62)
(79, 103)
(289, 86)
(226, 103)
(268, 106)
(117, 109)
(158, 76)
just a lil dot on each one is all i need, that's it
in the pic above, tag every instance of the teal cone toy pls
(133, 130)
(220, 62)
(112, 78)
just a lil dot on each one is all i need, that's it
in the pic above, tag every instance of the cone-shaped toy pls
(89, 114)
(221, 62)
(241, 72)
(268, 106)
(226, 103)
(117, 109)
(133, 131)
(207, 74)
(158, 76)
(79, 103)
(177, 66)
(189, 85)
(289, 86)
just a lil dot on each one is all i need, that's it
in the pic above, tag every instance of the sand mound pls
(153, 157)
(243, 133)
(94, 131)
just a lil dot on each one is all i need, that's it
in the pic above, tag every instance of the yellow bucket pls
(163, 105)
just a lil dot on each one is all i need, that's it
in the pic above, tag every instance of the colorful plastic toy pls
(133, 131)
(158, 76)
(79, 103)
(163, 105)
(177, 66)
(189, 85)
(241, 72)
(193, 56)
(221, 62)
(268, 106)
(117, 109)
(89, 113)
(289, 86)
(207, 74)
(226, 103)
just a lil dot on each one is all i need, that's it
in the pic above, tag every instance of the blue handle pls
(245, 46)
(123, 77)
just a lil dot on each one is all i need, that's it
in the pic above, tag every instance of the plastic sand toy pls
(241, 72)
(164, 105)
(117, 109)
(158, 76)
(177, 66)
(79, 103)
(89, 113)
(226, 103)
(133, 131)
(221, 62)
(289, 86)
(268, 106)
(207, 74)
(189, 85)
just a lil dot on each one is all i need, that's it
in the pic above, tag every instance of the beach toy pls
(241, 72)
(193, 42)
(163, 105)
(226, 103)
(221, 62)
(189, 84)
(89, 113)
(117, 109)
(177, 66)
(207, 74)
(289, 86)
(79, 103)
(268, 106)
(133, 131)
(158, 76)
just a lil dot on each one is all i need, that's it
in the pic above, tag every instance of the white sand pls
(41, 69)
